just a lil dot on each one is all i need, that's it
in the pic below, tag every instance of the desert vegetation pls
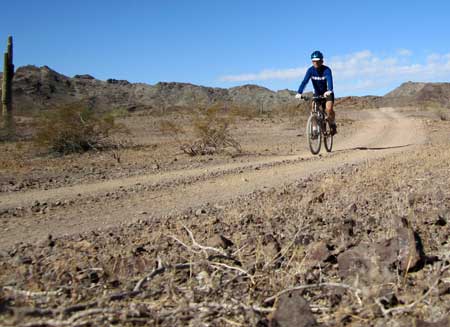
(7, 129)
(75, 128)
(210, 132)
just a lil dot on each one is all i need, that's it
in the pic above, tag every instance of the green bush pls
(74, 128)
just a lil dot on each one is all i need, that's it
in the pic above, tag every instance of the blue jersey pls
(321, 77)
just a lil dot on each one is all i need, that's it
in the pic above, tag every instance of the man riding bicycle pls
(322, 81)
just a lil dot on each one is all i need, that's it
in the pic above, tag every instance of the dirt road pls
(84, 207)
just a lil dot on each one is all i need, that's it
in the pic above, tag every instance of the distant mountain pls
(408, 89)
(407, 94)
(37, 88)
(412, 93)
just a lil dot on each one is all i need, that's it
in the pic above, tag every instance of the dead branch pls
(408, 307)
(201, 247)
(242, 271)
(283, 252)
(77, 307)
(159, 271)
(72, 321)
(184, 244)
(215, 307)
(32, 294)
(356, 291)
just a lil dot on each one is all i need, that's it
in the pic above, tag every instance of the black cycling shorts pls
(330, 97)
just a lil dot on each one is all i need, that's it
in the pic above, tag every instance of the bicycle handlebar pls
(314, 97)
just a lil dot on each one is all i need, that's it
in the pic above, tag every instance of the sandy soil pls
(362, 232)
(88, 206)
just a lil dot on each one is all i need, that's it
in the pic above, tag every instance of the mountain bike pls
(318, 126)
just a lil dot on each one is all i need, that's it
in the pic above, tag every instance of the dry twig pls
(408, 307)
(356, 291)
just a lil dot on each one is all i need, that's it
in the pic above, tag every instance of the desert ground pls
(269, 236)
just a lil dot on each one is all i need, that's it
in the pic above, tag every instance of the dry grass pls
(437, 109)
(179, 270)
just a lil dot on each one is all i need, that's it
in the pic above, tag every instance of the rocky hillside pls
(422, 93)
(407, 94)
(37, 88)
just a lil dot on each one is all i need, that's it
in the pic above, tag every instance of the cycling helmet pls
(316, 56)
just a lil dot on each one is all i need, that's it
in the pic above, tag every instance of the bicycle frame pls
(318, 130)
(319, 107)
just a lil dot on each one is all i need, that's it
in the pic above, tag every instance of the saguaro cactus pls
(8, 74)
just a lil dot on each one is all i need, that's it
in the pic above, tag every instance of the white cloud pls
(364, 70)
(267, 74)
(404, 52)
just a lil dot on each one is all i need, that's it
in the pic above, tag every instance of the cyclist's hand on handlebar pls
(327, 93)
(299, 96)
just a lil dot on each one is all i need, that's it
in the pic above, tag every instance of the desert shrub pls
(437, 109)
(74, 128)
(294, 111)
(248, 113)
(210, 132)
(119, 112)
(172, 129)
(7, 130)
(443, 114)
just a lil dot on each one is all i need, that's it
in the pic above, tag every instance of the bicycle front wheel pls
(327, 137)
(314, 134)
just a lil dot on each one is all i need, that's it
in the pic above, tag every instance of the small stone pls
(441, 221)
(358, 264)
(303, 239)
(409, 253)
(292, 310)
(25, 260)
(218, 240)
(139, 249)
(317, 253)
(200, 212)
(93, 277)
(381, 262)
(51, 241)
(272, 250)
(442, 323)
(352, 208)
(347, 228)
(82, 245)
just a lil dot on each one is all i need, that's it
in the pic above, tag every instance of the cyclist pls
(322, 81)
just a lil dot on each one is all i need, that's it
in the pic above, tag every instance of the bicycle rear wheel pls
(314, 134)
(327, 137)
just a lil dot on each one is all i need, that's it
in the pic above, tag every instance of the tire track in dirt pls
(386, 130)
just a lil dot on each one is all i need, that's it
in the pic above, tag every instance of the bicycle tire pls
(327, 137)
(314, 136)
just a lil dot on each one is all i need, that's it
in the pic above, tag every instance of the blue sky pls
(371, 46)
